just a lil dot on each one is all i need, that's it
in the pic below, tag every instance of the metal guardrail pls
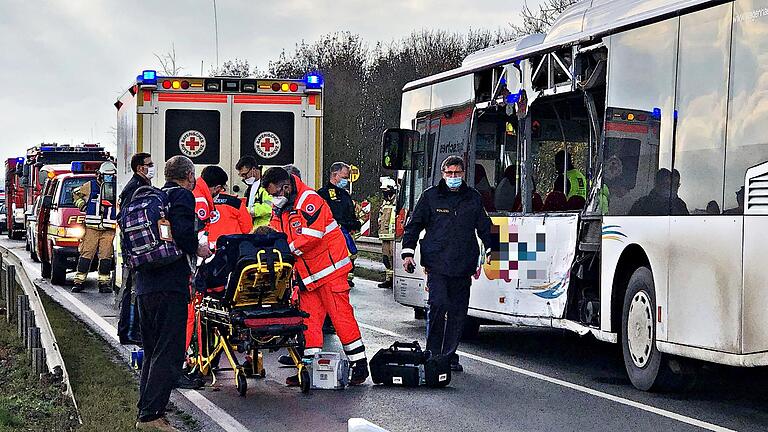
(24, 307)
(368, 244)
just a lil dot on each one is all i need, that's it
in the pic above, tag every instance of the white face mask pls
(279, 201)
(150, 172)
(250, 180)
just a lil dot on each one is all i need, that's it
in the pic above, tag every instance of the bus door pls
(196, 125)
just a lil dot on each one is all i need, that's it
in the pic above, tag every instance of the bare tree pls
(168, 64)
(239, 68)
(539, 21)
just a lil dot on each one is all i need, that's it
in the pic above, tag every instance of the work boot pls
(105, 275)
(455, 365)
(359, 372)
(105, 289)
(351, 283)
(386, 284)
(160, 424)
(77, 287)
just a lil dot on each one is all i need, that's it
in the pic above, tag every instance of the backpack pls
(139, 224)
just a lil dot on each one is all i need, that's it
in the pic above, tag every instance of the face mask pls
(250, 180)
(279, 201)
(151, 172)
(343, 183)
(453, 182)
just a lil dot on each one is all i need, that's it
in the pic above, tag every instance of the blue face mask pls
(343, 183)
(453, 182)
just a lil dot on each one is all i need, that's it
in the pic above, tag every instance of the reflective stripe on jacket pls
(314, 236)
(97, 214)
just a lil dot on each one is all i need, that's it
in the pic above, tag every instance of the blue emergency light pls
(47, 148)
(656, 114)
(20, 160)
(147, 77)
(314, 80)
(514, 97)
(77, 167)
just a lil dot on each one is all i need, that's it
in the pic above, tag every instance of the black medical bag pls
(405, 364)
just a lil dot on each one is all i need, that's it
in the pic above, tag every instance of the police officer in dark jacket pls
(450, 213)
(343, 209)
(163, 295)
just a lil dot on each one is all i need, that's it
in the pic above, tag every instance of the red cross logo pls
(192, 143)
(267, 145)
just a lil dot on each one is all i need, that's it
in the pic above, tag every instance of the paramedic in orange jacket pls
(322, 264)
(230, 216)
(212, 181)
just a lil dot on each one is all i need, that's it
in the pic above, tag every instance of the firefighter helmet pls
(107, 168)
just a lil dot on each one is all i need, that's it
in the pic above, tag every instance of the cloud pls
(64, 63)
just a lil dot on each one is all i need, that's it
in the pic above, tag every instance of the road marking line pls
(628, 402)
(218, 415)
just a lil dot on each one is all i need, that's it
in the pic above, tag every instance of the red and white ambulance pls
(217, 120)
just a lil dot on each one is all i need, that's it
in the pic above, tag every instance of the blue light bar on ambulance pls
(314, 80)
(20, 160)
(47, 148)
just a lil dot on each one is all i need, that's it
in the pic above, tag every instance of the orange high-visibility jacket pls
(230, 216)
(203, 203)
(314, 236)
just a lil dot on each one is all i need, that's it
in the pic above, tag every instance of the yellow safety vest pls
(578, 184)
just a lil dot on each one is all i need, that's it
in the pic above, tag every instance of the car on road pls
(3, 217)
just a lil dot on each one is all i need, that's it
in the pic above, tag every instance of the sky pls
(64, 63)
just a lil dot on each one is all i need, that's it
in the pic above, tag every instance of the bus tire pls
(419, 313)
(647, 368)
(58, 270)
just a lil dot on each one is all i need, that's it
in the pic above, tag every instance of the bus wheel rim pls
(640, 329)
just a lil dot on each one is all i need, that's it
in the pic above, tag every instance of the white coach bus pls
(662, 107)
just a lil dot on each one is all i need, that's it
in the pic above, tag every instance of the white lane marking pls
(218, 415)
(359, 424)
(651, 409)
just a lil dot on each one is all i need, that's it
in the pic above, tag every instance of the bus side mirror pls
(47, 202)
(397, 145)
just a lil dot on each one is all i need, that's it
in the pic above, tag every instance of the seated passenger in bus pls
(484, 187)
(739, 209)
(537, 204)
(555, 202)
(663, 198)
(505, 191)
(713, 208)
(570, 180)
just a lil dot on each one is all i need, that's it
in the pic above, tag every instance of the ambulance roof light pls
(148, 78)
(77, 167)
(314, 80)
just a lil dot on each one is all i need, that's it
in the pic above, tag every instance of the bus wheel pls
(648, 369)
(419, 313)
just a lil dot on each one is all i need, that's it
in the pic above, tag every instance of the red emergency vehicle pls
(31, 180)
(57, 226)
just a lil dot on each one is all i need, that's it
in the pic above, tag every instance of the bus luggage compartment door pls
(755, 299)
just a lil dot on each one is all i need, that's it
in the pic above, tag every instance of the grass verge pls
(104, 386)
(27, 402)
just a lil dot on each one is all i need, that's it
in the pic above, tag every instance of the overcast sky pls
(63, 63)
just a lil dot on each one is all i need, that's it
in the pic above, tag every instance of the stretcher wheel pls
(242, 383)
(304, 380)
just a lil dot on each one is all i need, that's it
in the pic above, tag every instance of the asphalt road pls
(515, 379)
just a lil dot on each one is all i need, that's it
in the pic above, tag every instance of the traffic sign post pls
(354, 174)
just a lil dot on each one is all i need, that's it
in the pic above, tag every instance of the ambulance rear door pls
(196, 125)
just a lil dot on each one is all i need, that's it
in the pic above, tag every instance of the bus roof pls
(583, 21)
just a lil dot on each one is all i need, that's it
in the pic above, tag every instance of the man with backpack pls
(127, 327)
(164, 219)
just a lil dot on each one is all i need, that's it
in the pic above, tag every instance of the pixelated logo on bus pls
(519, 255)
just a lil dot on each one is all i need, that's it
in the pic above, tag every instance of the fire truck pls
(14, 202)
(217, 120)
(55, 231)
(29, 177)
